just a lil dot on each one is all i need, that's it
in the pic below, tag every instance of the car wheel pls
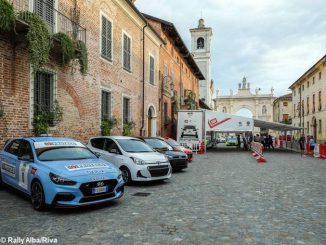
(126, 175)
(37, 196)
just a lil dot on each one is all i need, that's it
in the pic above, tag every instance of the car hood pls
(74, 168)
(149, 156)
(175, 153)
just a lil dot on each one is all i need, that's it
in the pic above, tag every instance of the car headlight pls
(61, 180)
(170, 157)
(138, 161)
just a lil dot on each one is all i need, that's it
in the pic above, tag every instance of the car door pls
(112, 153)
(23, 168)
(9, 163)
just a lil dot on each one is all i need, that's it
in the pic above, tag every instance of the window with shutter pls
(45, 9)
(151, 69)
(106, 106)
(43, 92)
(126, 53)
(106, 42)
(126, 109)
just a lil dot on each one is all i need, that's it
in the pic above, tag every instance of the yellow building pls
(309, 106)
(282, 109)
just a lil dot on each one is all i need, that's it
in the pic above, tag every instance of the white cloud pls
(272, 42)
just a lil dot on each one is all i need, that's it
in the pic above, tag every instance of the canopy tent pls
(275, 126)
(223, 122)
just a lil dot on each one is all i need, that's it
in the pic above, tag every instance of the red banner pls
(214, 122)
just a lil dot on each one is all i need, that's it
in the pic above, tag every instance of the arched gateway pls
(258, 106)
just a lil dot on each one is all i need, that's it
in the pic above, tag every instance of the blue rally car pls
(58, 172)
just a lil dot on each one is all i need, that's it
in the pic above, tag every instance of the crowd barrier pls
(258, 149)
(193, 145)
(319, 151)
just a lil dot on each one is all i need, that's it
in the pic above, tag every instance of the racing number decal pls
(23, 175)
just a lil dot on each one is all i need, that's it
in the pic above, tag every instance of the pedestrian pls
(266, 143)
(312, 143)
(245, 145)
(256, 139)
(262, 141)
(301, 142)
(270, 142)
(238, 139)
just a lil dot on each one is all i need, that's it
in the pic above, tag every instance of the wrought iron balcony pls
(56, 21)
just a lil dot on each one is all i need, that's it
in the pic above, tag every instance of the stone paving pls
(224, 197)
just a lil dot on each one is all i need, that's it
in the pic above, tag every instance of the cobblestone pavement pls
(224, 197)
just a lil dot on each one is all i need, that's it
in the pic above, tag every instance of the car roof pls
(47, 139)
(156, 138)
(115, 137)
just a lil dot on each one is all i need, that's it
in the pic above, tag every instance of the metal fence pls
(56, 21)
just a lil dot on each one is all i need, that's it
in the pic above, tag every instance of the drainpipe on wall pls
(143, 110)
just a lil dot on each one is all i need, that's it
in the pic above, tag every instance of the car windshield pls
(158, 144)
(64, 153)
(172, 142)
(134, 145)
(190, 127)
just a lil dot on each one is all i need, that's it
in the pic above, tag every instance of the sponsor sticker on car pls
(49, 144)
(8, 169)
(83, 166)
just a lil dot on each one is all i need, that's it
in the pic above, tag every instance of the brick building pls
(123, 51)
(179, 75)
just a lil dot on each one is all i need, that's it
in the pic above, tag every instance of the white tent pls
(223, 122)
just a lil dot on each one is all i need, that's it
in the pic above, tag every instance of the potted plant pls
(107, 126)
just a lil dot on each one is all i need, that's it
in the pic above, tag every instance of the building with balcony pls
(179, 75)
(309, 105)
(282, 109)
(122, 79)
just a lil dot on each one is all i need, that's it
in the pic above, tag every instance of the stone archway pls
(151, 122)
(247, 108)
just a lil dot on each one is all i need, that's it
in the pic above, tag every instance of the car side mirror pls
(25, 158)
(113, 151)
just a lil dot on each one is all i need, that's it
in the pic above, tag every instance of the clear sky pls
(271, 42)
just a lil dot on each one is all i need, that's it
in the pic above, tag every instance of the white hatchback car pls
(136, 160)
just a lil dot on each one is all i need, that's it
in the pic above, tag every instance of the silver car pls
(136, 160)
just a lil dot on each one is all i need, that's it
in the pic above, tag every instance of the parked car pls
(59, 172)
(221, 140)
(231, 141)
(136, 160)
(178, 159)
(177, 147)
(189, 131)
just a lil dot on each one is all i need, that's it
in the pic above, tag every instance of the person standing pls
(312, 143)
(238, 139)
(301, 142)
(270, 142)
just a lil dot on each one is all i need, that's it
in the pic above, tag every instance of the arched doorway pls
(151, 125)
(314, 128)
